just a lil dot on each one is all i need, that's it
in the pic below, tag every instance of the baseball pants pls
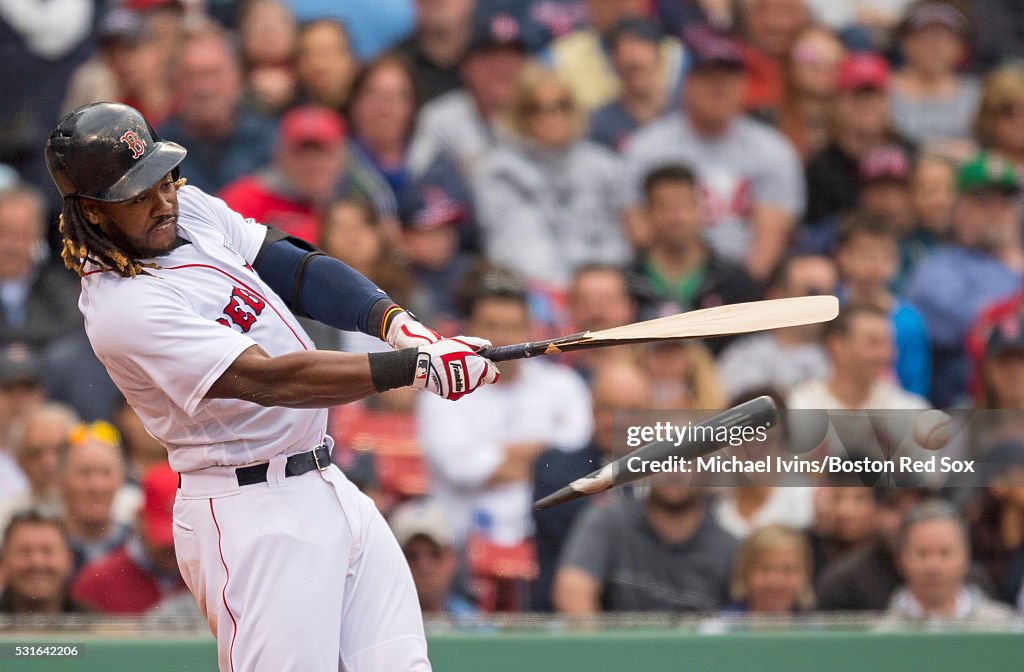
(298, 574)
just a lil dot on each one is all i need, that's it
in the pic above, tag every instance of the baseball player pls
(192, 308)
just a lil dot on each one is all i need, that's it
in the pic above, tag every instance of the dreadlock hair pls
(83, 242)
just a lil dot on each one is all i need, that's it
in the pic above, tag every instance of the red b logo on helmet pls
(134, 142)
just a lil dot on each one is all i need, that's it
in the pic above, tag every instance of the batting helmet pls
(108, 152)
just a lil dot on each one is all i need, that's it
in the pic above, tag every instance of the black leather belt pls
(297, 465)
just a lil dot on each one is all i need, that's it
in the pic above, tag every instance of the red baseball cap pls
(885, 162)
(159, 487)
(309, 124)
(864, 70)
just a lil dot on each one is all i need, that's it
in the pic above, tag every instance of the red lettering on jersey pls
(243, 308)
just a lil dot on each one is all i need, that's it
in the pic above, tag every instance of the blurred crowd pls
(519, 169)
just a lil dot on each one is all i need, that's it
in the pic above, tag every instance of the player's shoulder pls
(196, 204)
(109, 296)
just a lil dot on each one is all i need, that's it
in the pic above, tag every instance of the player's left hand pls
(451, 368)
(406, 332)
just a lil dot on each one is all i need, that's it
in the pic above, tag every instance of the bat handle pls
(503, 353)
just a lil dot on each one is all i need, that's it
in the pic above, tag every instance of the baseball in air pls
(933, 429)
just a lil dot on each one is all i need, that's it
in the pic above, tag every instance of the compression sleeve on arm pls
(321, 287)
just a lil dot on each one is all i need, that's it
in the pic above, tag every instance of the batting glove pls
(406, 332)
(451, 368)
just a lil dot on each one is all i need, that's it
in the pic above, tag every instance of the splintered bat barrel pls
(736, 318)
(761, 412)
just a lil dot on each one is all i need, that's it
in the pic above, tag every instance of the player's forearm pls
(311, 379)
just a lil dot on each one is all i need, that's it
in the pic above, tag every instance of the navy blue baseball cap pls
(499, 27)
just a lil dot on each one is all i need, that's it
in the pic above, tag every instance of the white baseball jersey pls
(167, 337)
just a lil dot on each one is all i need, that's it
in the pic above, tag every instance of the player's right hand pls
(451, 368)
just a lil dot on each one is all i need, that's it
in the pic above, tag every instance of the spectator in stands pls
(465, 124)
(749, 174)
(809, 85)
(997, 518)
(21, 388)
(682, 375)
(583, 60)
(782, 358)
(663, 553)
(999, 126)
(934, 559)
(635, 48)
(852, 520)
(865, 578)
(137, 576)
(861, 123)
(984, 264)
(1000, 27)
(269, 39)
(552, 18)
(678, 271)
(224, 140)
(35, 561)
(770, 28)
(426, 538)
(481, 449)
(92, 473)
(868, 258)
(382, 110)
(438, 45)
(865, 24)
(932, 195)
(374, 25)
(930, 101)
(678, 15)
(884, 176)
(741, 508)
(128, 67)
(311, 166)
(141, 450)
(772, 573)
(1002, 365)
(883, 192)
(546, 200)
(435, 210)
(600, 298)
(859, 344)
(37, 439)
(325, 64)
(618, 387)
(40, 45)
(39, 305)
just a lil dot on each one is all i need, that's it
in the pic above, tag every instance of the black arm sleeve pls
(315, 285)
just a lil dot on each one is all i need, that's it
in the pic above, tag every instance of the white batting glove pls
(406, 332)
(451, 368)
